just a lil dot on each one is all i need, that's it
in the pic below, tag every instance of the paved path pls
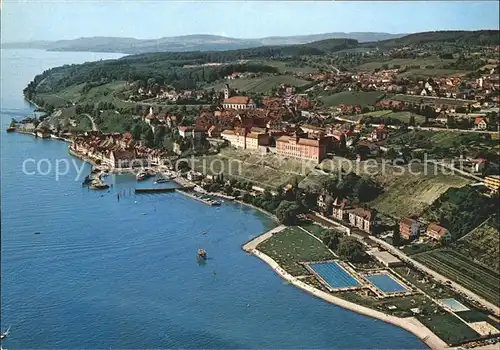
(249, 246)
(94, 125)
(437, 276)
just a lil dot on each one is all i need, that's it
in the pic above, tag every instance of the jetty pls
(154, 190)
(199, 197)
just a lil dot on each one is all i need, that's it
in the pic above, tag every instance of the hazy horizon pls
(52, 21)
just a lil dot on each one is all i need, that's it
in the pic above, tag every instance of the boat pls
(161, 181)
(11, 129)
(4, 335)
(202, 254)
(99, 186)
(141, 176)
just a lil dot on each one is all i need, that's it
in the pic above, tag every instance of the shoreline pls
(410, 324)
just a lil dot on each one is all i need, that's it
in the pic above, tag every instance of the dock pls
(154, 190)
(210, 202)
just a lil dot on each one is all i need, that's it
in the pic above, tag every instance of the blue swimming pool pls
(386, 283)
(335, 275)
(455, 305)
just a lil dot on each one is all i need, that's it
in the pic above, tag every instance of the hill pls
(478, 37)
(187, 43)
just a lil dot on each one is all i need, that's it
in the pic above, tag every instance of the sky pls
(28, 20)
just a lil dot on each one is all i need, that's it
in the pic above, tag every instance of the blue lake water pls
(386, 283)
(105, 273)
(335, 275)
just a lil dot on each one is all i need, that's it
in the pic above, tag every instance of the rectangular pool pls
(335, 275)
(454, 304)
(386, 283)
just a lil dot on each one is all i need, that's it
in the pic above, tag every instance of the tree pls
(149, 137)
(287, 212)
(350, 249)
(136, 132)
(332, 239)
(411, 121)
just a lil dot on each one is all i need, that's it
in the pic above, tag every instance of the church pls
(236, 102)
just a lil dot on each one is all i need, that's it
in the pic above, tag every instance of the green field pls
(427, 61)
(268, 171)
(293, 245)
(430, 73)
(449, 328)
(481, 245)
(464, 271)
(286, 67)
(352, 98)
(261, 84)
(404, 116)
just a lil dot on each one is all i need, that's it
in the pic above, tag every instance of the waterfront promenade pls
(410, 324)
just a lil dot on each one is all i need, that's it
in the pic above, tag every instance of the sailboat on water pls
(4, 335)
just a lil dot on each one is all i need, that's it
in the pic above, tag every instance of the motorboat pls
(161, 181)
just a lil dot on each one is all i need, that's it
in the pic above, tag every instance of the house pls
(339, 209)
(214, 131)
(194, 176)
(123, 159)
(409, 228)
(380, 133)
(301, 148)
(362, 218)
(191, 132)
(492, 182)
(171, 121)
(238, 102)
(481, 123)
(42, 132)
(324, 202)
(246, 139)
(437, 232)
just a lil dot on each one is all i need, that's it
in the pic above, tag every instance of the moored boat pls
(202, 254)
(11, 129)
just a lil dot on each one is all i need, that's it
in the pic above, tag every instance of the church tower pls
(226, 92)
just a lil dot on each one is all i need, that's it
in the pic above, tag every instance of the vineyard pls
(464, 271)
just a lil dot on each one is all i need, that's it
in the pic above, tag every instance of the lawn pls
(293, 245)
(464, 271)
(361, 98)
(449, 328)
(260, 85)
(404, 116)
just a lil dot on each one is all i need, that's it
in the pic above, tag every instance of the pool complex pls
(335, 275)
(386, 283)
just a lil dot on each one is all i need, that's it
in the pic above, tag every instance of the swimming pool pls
(454, 304)
(335, 275)
(386, 283)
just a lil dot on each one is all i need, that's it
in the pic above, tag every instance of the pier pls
(154, 190)
(199, 198)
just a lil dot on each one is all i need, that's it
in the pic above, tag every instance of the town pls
(301, 133)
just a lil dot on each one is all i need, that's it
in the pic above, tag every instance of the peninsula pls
(317, 134)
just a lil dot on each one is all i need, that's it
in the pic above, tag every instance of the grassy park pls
(361, 98)
(292, 246)
(261, 84)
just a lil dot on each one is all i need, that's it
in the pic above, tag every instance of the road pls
(94, 125)
(424, 128)
(437, 276)
(451, 167)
